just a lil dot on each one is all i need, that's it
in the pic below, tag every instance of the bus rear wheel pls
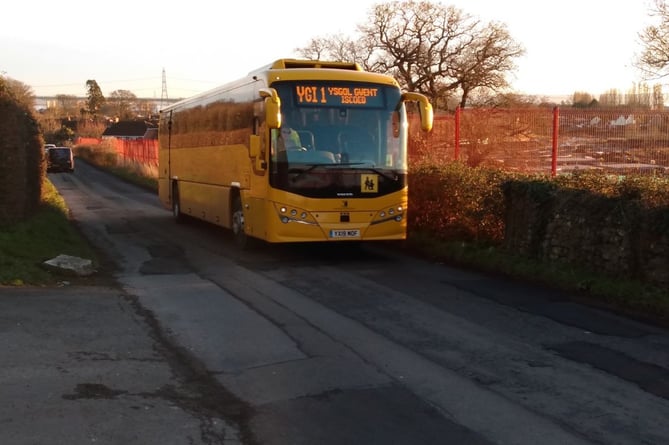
(240, 237)
(176, 204)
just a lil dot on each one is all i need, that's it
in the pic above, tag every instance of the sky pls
(55, 47)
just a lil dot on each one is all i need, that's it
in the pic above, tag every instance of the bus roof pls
(293, 69)
(283, 64)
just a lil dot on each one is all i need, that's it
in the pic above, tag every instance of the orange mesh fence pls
(611, 141)
(614, 141)
(143, 151)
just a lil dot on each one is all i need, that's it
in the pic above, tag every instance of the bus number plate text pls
(353, 233)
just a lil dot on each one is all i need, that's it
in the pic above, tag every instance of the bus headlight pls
(288, 214)
(390, 214)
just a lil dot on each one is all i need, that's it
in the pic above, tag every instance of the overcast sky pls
(55, 47)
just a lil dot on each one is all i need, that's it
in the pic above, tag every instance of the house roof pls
(128, 129)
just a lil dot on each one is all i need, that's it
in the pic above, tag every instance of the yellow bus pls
(296, 151)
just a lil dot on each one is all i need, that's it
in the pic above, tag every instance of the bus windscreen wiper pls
(303, 171)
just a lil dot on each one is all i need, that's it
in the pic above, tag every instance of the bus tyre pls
(240, 237)
(176, 205)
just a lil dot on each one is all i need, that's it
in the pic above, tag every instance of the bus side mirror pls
(424, 107)
(272, 107)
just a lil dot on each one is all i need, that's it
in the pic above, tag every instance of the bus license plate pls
(353, 233)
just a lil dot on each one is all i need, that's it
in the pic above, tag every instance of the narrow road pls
(319, 344)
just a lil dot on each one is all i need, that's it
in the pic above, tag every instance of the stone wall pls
(617, 236)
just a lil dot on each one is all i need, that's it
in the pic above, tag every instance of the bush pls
(650, 191)
(456, 202)
(22, 169)
(103, 155)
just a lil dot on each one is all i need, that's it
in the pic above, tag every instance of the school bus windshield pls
(330, 126)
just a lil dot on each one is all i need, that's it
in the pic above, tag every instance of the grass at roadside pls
(48, 233)
(134, 177)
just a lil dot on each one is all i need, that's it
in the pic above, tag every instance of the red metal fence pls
(544, 140)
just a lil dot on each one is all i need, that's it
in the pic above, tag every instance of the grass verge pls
(26, 245)
(134, 178)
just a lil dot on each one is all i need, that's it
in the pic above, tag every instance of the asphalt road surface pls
(195, 342)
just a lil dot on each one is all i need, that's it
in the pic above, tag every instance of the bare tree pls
(318, 48)
(486, 61)
(653, 61)
(416, 42)
(68, 104)
(487, 99)
(123, 102)
(639, 96)
(611, 98)
(658, 97)
(337, 47)
(428, 47)
(583, 99)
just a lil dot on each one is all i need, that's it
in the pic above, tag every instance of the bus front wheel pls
(238, 232)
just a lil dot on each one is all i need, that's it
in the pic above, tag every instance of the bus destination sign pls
(339, 95)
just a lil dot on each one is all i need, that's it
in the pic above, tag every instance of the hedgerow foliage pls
(456, 202)
(103, 155)
(649, 191)
(22, 167)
